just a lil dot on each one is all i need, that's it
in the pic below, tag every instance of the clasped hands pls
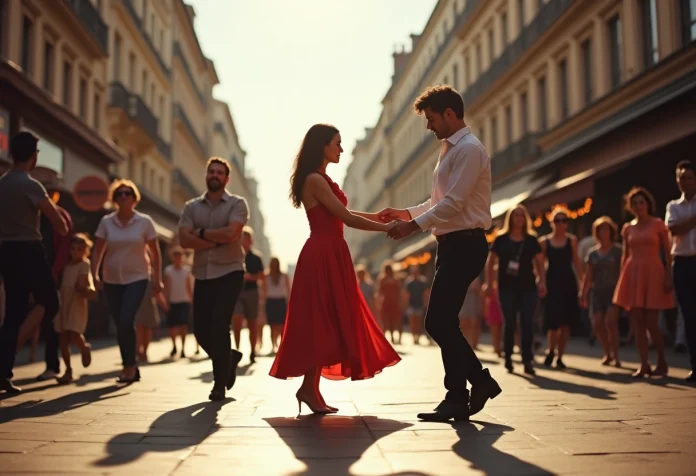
(399, 221)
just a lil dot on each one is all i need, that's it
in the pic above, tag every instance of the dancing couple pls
(332, 333)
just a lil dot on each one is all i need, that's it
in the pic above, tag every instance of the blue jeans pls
(523, 303)
(124, 301)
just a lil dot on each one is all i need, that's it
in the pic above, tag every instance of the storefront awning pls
(514, 192)
(163, 233)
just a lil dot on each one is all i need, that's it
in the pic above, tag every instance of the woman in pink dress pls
(329, 329)
(645, 283)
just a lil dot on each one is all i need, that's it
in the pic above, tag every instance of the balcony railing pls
(181, 115)
(136, 19)
(514, 154)
(91, 19)
(135, 108)
(164, 148)
(180, 54)
(547, 16)
(180, 179)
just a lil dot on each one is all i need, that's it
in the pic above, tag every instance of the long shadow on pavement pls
(318, 441)
(207, 377)
(199, 419)
(546, 383)
(476, 447)
(41, 408)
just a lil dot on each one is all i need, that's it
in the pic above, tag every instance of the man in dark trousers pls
(23, 263)
(57, 249)
(458, 213)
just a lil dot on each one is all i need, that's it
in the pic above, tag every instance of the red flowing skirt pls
(328, 323)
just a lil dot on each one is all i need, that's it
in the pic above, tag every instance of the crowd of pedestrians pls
(50, 274)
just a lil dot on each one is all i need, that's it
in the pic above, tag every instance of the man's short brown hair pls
(221, 161)
(439, 99)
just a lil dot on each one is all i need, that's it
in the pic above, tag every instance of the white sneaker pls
(47, 375)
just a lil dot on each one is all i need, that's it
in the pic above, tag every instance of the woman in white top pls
(121, 241)
(276, 290)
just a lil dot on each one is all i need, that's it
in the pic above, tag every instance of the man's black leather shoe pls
(486, 388)
(217, 394)
(447, 411)
(7, 385)
(235, 357)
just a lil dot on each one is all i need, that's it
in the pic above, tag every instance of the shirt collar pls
(224, 197)
(120, 224)
(684, 200)
(457, 136)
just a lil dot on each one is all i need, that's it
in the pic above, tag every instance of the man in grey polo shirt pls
(23, 263)
(212, 225)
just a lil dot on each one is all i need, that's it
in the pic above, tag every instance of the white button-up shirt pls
(678, 211)
(461, 194)
(126, 259)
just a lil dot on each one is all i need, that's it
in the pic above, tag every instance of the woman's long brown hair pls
(309, 158)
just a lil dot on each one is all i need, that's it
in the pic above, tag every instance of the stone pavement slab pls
(586, 420)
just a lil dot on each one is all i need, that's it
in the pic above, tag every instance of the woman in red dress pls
(329, 329)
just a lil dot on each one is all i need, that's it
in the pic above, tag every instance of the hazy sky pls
(287, 64)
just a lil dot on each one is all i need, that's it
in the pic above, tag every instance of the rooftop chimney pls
(400, 61)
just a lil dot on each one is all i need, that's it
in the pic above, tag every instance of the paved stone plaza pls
(587, 420)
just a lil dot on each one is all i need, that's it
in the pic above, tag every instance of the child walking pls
(77, 287)
(178, 289)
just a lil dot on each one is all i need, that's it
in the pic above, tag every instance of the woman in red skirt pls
(329, 329)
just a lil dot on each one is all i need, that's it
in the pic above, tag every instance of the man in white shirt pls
(458, 213)
(681, 220)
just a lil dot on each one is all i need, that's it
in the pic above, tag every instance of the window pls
(587, 70)
(131, 71)
(96, 113)
(67, 84)
(144, 11)
(161, 40)
(543, 122)
(524, 113)
(479, 59)
(83, 99)
(27, 43)
(48, 67)
(161, 186)
(520, 7)
(152, 178)
(508, 126)
(161, 108)
(504, 24)
(467, 72)
(688, 15)
(649, 13)
(51, 156)
(455, 76)
(152, 25)
(152, 94)
(491, 45)
(144, 85)
(143, 172)
(615, 50)
(494, 134)
(563, 79)
(445, 80)
(117, 57)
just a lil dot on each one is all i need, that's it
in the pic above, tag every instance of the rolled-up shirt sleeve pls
(672, 215)
(465, 172)
(418, 210)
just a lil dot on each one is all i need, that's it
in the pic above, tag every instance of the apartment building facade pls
(54, 83)
(576, 102)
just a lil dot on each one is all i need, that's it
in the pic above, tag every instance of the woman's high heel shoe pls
(317, 411)
(642, 372)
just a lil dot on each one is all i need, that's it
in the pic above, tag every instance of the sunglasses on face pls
(123, 193)
(560, 220)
